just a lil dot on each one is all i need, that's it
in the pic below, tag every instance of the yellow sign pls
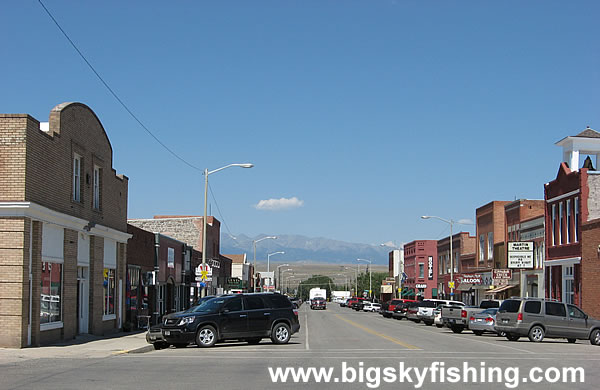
(203, 274)
(450, 284)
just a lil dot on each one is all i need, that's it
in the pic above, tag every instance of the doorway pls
(83, 299)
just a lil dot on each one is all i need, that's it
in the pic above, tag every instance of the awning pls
(408, 293)
(465, 287)
(501, 288)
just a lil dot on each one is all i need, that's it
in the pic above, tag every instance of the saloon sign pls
(471, 278)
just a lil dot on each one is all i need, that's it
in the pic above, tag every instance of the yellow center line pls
(392, 339)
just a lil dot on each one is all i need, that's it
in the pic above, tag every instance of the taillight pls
(463, 313)
(520, 317)
(472, 319)
(296, 312)
(489, 319)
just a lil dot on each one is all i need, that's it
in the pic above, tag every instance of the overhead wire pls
(114, 94)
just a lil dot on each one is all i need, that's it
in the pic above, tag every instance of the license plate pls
(167, 332)
(478, 320)
(505, 320)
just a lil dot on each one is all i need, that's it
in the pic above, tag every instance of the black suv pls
(244, 317)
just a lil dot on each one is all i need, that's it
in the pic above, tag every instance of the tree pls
(314, 281)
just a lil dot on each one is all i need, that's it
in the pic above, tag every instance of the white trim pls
(569, 260)
(51, 326)
(109, 317)
(562, 196)
(40, 213)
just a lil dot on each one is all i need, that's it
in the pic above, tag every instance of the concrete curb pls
(144, 349)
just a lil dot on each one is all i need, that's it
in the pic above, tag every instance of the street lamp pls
(269, 267)
(254, 245)
(206, 173)
(400, 265)
(355, 278)
(450, 222)
(370, 289)
(278, 280)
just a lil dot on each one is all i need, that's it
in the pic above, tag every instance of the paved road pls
(364, 341)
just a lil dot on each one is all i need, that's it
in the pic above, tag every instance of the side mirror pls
(586, 316)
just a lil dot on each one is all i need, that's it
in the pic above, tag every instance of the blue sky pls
(368, 113)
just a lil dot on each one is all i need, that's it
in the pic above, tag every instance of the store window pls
(568, 284)
(51, 303)
(109, 291)
(133, 291)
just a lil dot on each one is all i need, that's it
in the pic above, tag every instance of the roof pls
(588, 133)
(237, 259)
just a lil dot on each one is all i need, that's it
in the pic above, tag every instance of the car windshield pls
(491, 312)
(198, 303)
(211, 305)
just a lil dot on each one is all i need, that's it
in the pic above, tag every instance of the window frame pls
(106, 313)
(421, 270)
(490, 242)
(76, 182)
(96, 204)
(53, 324)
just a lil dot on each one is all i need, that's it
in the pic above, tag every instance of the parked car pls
(389, 306)
(372, 307)
(318, 303)
(358, 305)
(343, 302)
(540, 318)
(437, 316)
(457, 319)
(484, 321)
(401, 309)
(352, 301)
(243, 317)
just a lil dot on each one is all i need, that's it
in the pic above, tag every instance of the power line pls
(219, 210)
(113, 92)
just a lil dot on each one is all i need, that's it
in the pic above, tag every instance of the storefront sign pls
(502, 274)
(430, 268)
(214, 263)
(471, 278)
(421, 286)
(520, 254)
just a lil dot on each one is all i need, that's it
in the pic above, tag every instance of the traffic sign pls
(451, 284)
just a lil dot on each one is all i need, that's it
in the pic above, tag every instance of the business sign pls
(430, 268)
(214, 263)
(421, 286)
(471, 278)
(520, 254)
(171, 257)
(500, 277)
(386, 289)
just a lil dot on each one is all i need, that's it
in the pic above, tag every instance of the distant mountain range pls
(304, 249)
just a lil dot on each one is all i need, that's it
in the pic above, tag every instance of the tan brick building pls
(63, 228)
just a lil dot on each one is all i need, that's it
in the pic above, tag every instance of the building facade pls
(572, 210)
(63, 213)
(463, 252)
(420, 266)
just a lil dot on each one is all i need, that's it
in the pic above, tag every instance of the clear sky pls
(360, 116)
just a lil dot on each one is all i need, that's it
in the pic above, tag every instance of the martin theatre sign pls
(520, 254)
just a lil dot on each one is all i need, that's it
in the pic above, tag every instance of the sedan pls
(483, 322)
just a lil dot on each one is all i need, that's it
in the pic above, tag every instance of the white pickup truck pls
(426, 308)
(457, 317)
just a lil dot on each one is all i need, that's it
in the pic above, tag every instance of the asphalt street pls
(348, 342)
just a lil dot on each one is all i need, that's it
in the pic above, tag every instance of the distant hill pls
(305, 249)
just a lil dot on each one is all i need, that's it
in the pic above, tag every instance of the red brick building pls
(63, 225)
(572, 224)
(463, 255)
(421, 268)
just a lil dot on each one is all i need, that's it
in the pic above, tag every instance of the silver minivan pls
(539, 318)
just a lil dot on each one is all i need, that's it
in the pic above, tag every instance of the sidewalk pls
(83, 346)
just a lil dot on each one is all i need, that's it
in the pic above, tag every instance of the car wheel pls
(281, 333)
(158, 346)
(255, 340)
(572, 341)
(417, 321)
(428, 323)
(439, 325)
(206, 336)
(502, 334)
(536, 334)
(478, 332)
(457, 329)
(512, 337)
(595, 337)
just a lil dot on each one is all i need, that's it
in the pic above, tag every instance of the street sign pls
(451, 284)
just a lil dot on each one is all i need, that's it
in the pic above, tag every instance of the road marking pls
(394, 340)
(306, 327)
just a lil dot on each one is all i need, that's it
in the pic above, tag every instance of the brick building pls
(463, 255)
(170, 288)
(572, 224)
(420, 266)
(63, 217)
(525, 223)
(188, 229)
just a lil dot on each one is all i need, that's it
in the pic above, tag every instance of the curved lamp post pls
(370, 288)
(206, 173)
(254, 245)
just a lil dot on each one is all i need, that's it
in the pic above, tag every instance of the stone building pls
(63, 228)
